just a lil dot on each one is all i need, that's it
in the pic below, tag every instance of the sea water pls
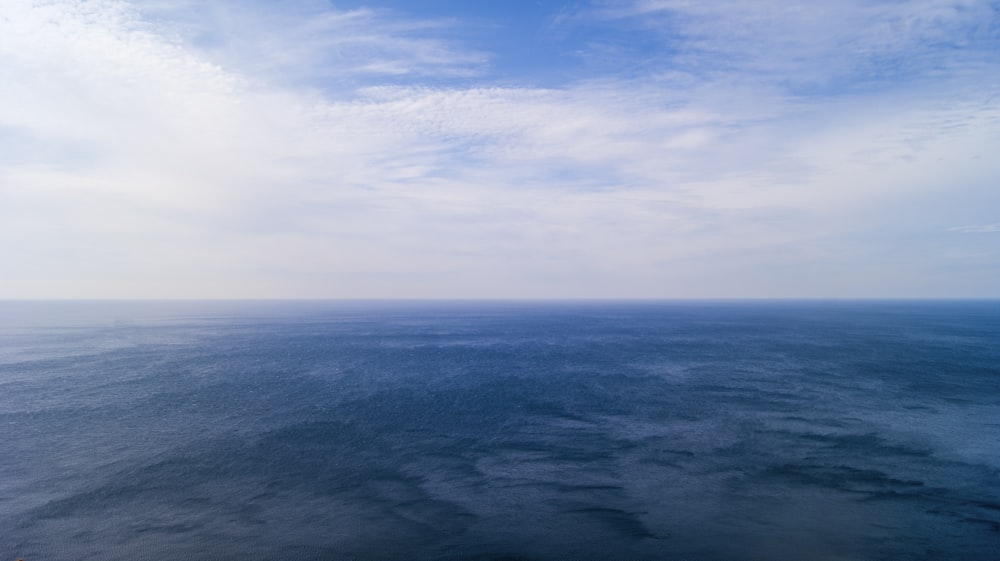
(381, 431)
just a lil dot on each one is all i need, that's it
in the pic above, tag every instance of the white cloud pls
(148, 152)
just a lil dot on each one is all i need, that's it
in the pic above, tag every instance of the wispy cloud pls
(819, 46)
(307, 44)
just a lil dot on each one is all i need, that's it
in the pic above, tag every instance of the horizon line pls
(525, 299)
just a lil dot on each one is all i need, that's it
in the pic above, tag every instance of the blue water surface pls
(575, 431)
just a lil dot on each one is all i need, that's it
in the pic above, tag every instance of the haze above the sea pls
(522, 149)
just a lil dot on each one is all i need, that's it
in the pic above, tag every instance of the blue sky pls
(520, 149)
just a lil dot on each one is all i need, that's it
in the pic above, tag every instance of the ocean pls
(546, 431)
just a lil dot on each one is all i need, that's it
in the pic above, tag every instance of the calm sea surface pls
(697, 431)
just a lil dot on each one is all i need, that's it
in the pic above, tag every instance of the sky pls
(515, 149)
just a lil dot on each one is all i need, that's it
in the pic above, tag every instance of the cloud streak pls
(986, 228)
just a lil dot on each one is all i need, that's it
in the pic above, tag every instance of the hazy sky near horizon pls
(524, 148)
